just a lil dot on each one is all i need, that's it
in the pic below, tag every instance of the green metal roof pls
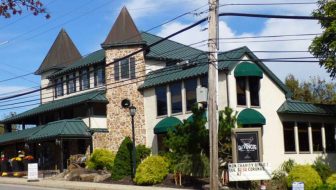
(91, 59)
(72, 128)
(298, 107)
(250, 116)
(180, 72)
(165, 124)
(92, 96)
(247, 69)
(17, 136)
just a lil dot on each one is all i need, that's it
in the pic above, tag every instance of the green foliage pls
(101, 159)
(305, 174)
(322, 168)
(151, 171)
(331, 180)
(279, 180)
(227, 120)
(195, 165)
(142, 152)
(326, 187)
(189, 144)
(123, 161)
(324, 46)
(314, 90)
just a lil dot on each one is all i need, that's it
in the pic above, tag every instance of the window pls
(190, 88)
(254, 85)
(303, 137)
(289, 136)
(59, 87)
(241, 91)
(161, 100)
(99, 76)
(204, 81)
(125, 69)
(161, 146)
(330, 137)
(71, 83)
(317, 136)
(176, 97)
(84, 79)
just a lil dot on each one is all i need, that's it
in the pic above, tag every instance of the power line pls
(183, 30)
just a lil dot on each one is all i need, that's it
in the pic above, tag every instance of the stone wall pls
(118, 118)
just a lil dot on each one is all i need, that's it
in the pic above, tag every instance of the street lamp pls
(132, 110)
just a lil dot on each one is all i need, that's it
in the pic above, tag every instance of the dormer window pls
(84, 79)
(71, 83)
(125, 69)
(59, 87)
(99, 76)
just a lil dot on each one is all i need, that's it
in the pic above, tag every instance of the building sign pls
(32, 172)
(247, 145)
(249, 171)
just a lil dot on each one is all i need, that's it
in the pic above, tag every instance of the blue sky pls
(26, 39)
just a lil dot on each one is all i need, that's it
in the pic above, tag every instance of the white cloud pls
(272, 27)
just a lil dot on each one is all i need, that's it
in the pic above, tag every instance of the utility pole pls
(212, 94)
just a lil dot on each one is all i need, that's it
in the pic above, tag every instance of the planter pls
(5, 166)
(17, 166)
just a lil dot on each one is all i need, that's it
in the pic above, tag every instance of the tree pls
(13, 7)
(315, 90)
(323, 46)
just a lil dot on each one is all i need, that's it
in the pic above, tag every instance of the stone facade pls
(118, 118)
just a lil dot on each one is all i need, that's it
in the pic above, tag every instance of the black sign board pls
(247, 146)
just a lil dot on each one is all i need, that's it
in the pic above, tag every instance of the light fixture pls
(132, 110)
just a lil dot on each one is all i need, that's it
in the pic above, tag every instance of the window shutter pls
(132, 67)
(116, 70)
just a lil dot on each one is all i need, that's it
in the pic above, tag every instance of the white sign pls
(297, 186)
(249, 171)
(32, 172)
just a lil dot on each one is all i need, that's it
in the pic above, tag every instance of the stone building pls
(81, 96)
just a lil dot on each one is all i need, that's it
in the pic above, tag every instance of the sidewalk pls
(77, 185)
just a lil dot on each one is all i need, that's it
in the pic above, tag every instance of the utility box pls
(202, 94)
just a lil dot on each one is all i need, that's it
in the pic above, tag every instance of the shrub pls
(305, 174)
(142, 152)
(322, 168)
(193, 165)
(151, 171)
(101, 159)
(123, 161)
(331, 180)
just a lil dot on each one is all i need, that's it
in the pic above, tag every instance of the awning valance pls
(248, 69)
(250, 117)
(167, 123)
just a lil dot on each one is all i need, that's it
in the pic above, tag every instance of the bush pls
(193, 165)
(151, 171)
(101, 159)
(322, 168)
(142, 152)
(123, 161)
(305, 174)
(331, 180)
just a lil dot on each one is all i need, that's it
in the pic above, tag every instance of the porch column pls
(169, 107)
(184, 99)
(310, 138)
(296, 137)
(324, 146)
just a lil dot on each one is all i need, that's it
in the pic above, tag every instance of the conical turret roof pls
(123, 31)
(62, 53)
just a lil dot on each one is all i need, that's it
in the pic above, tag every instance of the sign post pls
(33, 172)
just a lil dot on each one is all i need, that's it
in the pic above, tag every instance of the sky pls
(26, 39)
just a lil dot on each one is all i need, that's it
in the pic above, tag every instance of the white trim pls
(296, 137)
(310, 138)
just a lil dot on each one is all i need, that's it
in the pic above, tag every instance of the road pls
(23, 187)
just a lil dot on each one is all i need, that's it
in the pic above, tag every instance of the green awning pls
(191, 118)
(167, 123)
(248, 69)
(71, 128)
(250, 117)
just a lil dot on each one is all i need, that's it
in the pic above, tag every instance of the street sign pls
(33, 172)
